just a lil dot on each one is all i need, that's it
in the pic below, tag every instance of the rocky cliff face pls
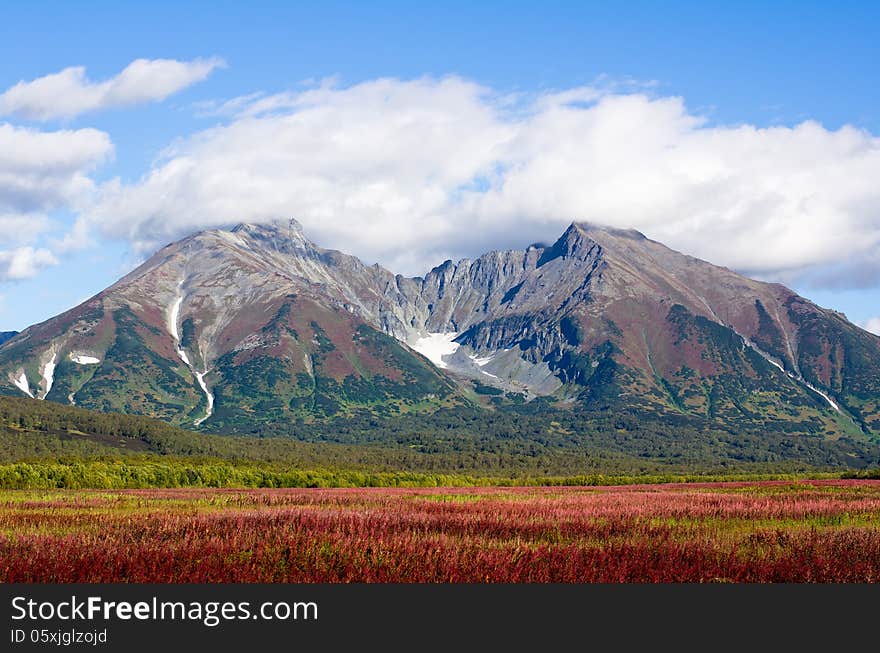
(233, 328)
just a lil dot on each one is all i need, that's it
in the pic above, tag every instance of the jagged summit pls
(596, 228)
(579, 236)
(232, 328)
(278, 234)
(279, 227)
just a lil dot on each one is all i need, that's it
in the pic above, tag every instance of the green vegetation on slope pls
(50, 445)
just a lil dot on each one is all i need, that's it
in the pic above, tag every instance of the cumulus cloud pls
(43, 170)
(409, 172)
(22, 228)
(69, 93)
(24, 262)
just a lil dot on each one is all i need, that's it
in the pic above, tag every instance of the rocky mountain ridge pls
(231, 328)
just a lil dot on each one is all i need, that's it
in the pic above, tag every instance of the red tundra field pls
(808, 531)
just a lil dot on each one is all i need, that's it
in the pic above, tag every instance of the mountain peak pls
(579, 239)
(275, 226)
(592, 228)
(256, 325)
(280, 234)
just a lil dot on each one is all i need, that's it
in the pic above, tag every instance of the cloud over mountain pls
(410, 172)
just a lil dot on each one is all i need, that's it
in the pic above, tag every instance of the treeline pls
(142, 474)
(527, 442)
(536, 429)
(171, 474)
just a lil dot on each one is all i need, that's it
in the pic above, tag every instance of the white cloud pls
(370, 169)
(24, 262)
(77, 237)
(408, 172)
(872, 325)
(70, 93)
(22, 228)
(40, 171)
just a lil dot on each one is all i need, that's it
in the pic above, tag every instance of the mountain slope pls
(255, 325)
(221, 325)
(518, 442)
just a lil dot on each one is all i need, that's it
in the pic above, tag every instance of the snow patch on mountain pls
(173, 315)
(767, 357)
(173, 318)
(83, 359)
(821, 394)
(482, 361)
(49, 374)
(21, 383)
(200, 377)
(793, 377)
(436, 346)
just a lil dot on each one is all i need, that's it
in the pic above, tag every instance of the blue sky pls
(733, 68)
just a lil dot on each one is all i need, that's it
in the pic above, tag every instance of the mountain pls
(6, 335)
(246, 325)
(232, 329)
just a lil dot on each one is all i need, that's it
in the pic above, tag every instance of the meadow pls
(769, 531)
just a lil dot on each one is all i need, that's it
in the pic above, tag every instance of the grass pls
(770, 531)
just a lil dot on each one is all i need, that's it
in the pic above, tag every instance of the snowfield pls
(49, 375)
(22, 384)
(82, 359)
(435, 346)
(200, 377)
(173, 318)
